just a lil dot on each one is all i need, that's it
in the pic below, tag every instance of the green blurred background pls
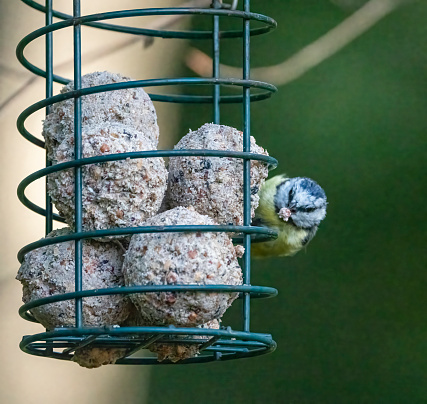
(350, 316)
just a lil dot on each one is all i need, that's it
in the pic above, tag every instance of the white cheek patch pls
(308, 220)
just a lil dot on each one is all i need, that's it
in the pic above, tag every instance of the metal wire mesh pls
(223, 343)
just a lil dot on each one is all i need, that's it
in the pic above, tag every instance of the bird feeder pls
(221, 343)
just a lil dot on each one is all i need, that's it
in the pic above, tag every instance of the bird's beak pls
(285, 214)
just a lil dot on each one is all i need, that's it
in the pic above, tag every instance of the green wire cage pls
(219, 344)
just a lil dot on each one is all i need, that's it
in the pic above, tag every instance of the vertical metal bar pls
(77, 156)
(246, 167)
(215, 61)
(49, 93)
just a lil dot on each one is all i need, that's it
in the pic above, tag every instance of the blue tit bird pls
(294, 207)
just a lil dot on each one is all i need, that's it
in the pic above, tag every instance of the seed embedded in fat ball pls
(214, 185)
(198, 258)
(94, 357)
(50, 270)
(119, 193)
(131, 107)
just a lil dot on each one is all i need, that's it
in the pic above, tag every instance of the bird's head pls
(300, 201)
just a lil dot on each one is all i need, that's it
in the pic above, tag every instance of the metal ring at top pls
(91, 21)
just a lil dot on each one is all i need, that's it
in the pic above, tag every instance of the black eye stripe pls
(302, 209)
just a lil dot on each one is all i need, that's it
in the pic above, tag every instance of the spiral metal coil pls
(220, 344)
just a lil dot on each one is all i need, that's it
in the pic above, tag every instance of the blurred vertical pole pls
(77, 156)
(246, 166)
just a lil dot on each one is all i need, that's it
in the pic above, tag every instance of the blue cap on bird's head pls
(301, 202)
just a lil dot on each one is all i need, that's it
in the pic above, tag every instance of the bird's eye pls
(306, 210)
